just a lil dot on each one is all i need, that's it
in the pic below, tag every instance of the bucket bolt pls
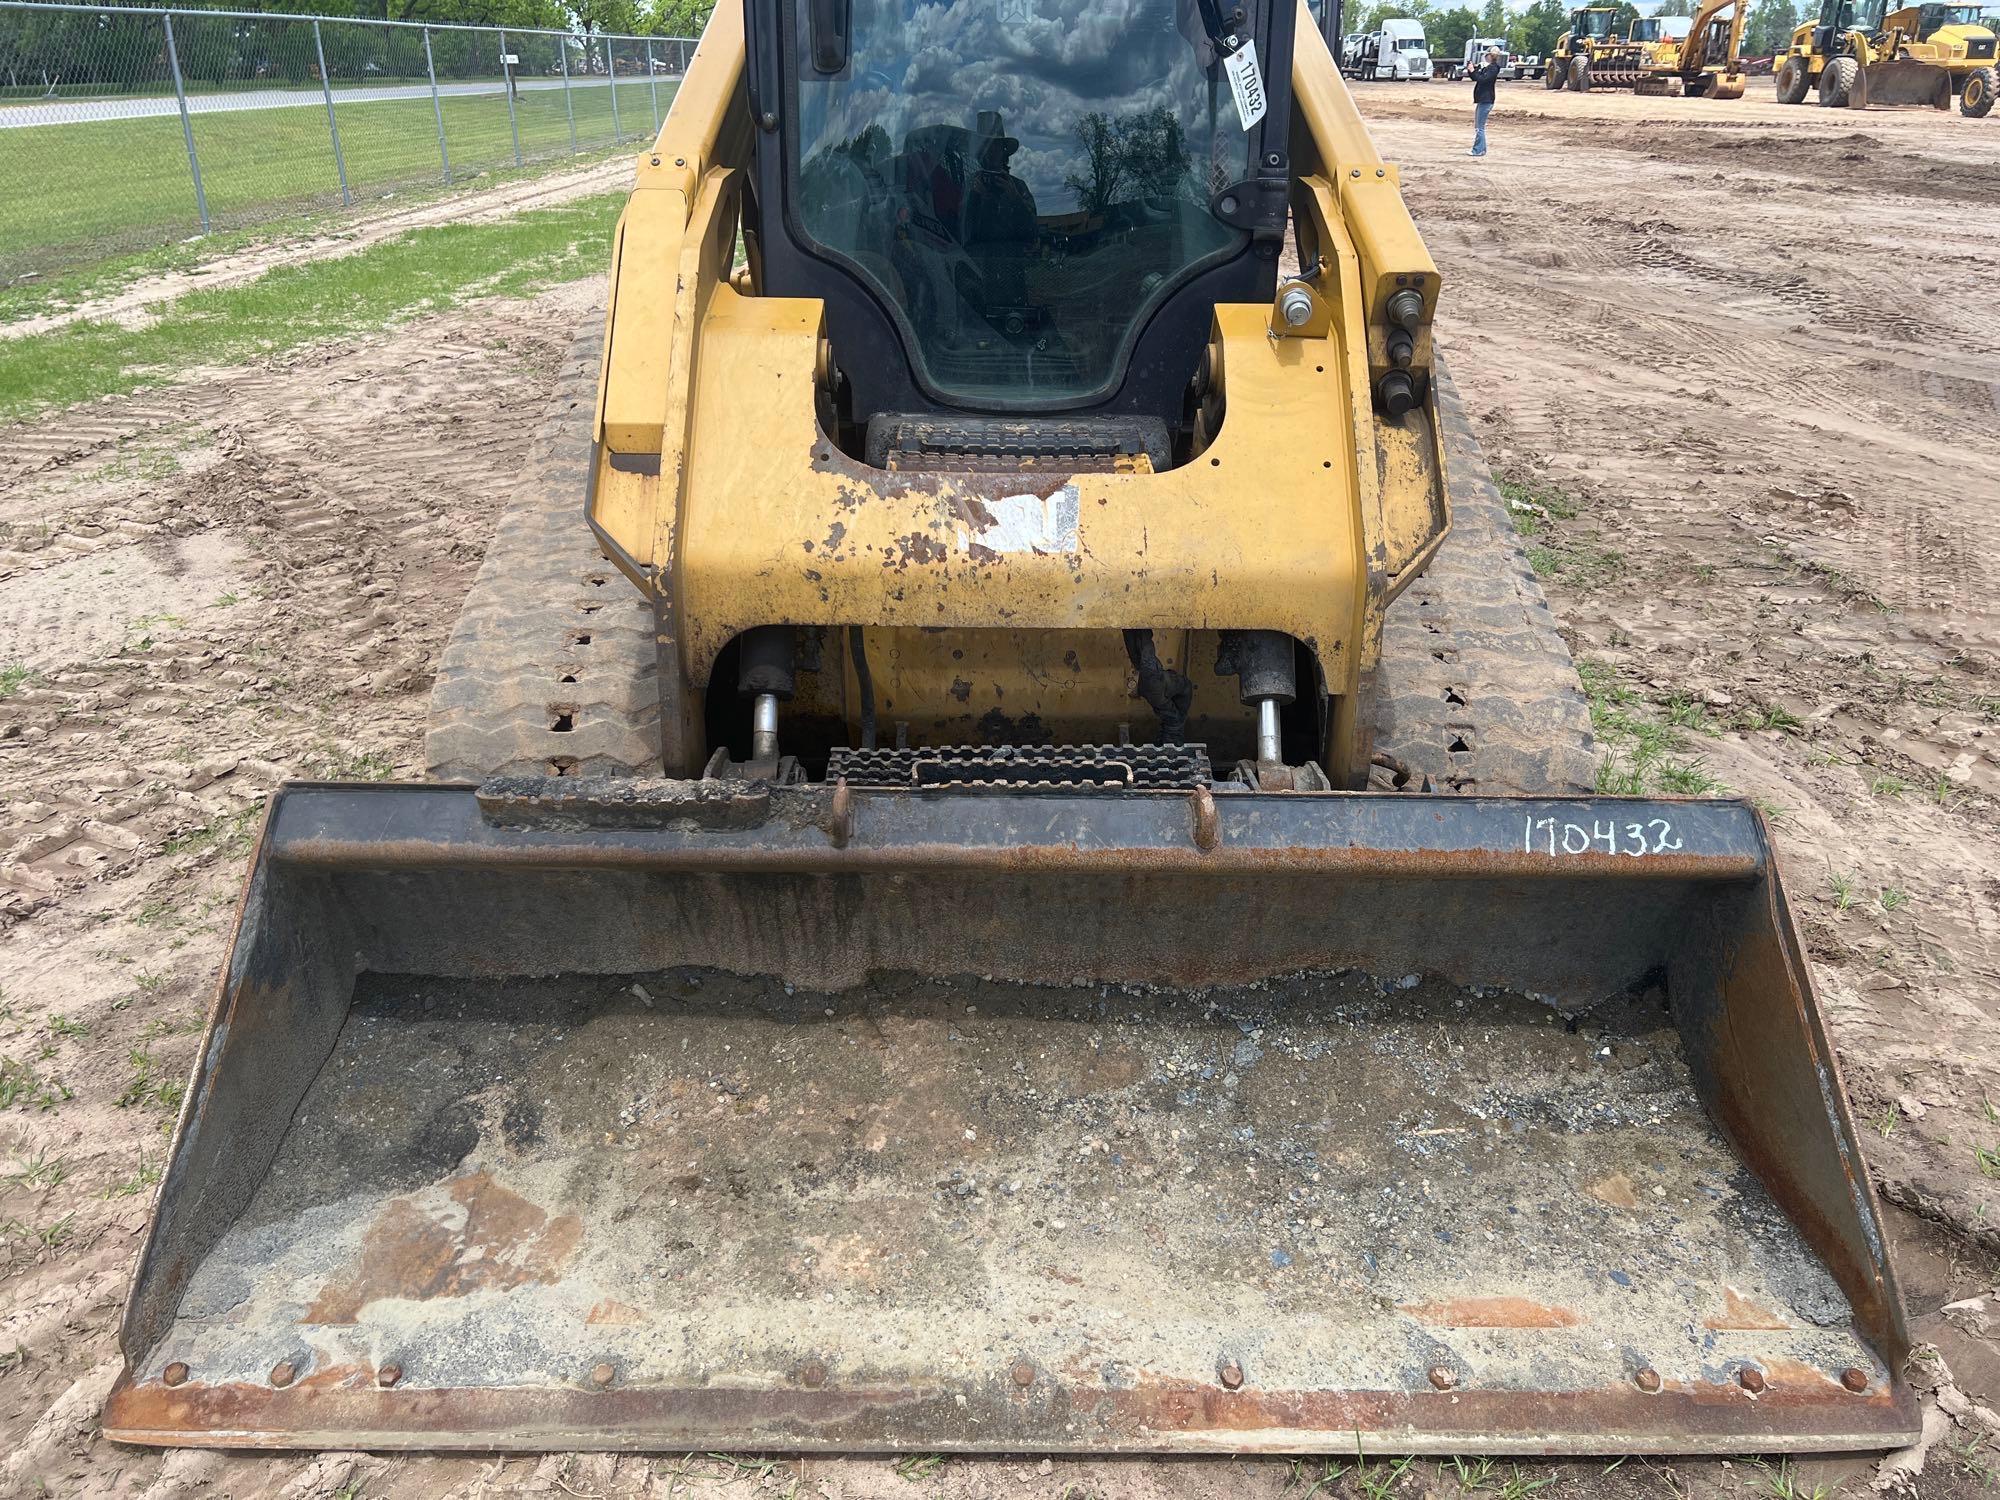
(767, 675)
(1397, 391)
(175, 1373)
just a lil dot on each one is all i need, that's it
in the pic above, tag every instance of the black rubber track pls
(550, 669)
(1476, 690)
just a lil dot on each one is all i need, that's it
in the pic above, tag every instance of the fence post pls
(332, 125)
(611, 75)
(562, 51)
(187, 127)
(507, 79)
(653, 83)
(430, 67)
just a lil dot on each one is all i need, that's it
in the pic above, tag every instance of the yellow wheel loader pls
(1010, 864)
(1960, 39)
(1593, 54)
(1855, 55)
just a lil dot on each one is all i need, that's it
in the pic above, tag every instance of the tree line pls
(113, 50)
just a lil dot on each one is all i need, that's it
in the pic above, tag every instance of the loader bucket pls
(682, 1116)
(1902, 81)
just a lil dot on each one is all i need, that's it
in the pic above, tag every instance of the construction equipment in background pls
(1961, 39)
(1512, 66)
(1698, 56)
(904, 980)
(1591, 47)
(1856, 55)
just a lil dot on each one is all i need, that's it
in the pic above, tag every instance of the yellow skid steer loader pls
(1017, 945)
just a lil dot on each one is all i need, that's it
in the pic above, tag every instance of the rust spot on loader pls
(409, 1252)
(1615, 1190)
(1492, 1312)
(1740, 1313)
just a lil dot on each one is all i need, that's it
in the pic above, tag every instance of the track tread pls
(1476, 626)
(542, 588)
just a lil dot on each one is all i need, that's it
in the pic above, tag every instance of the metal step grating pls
(1012, 767)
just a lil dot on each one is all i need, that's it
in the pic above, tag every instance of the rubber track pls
(551, 635)
(1476, 691)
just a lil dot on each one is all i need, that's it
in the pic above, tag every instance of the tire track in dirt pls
(1775, 410)
(304, 523)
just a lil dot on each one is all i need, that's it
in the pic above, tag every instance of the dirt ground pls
(1747, 353)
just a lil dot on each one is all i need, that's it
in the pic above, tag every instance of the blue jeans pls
(1479, 114)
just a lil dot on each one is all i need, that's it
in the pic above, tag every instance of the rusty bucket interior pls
(783, 1119)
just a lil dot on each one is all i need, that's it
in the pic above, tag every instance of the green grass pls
(1535, 507)
(422, 271)
(1644, 754)
(147, 1087)
(1532, 503)
(139, 1181)
(1782, 1484)
(125, 183)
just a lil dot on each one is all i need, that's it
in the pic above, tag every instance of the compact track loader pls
(1006, 939)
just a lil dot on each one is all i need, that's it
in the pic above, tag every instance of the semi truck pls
(1397, 50)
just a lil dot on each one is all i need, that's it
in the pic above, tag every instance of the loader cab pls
(1963, 31)
(1592, 24)
(1839, 17)
(1932, 18)
(1022, 207)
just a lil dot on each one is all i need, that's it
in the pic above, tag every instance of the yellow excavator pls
(1704, 62)
(1010, 863)
(1855, 54)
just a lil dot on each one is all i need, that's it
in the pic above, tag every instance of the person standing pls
(1483, 79)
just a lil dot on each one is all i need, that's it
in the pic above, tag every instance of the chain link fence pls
(126, 129)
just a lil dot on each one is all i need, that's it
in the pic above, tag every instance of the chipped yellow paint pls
(778, 525)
